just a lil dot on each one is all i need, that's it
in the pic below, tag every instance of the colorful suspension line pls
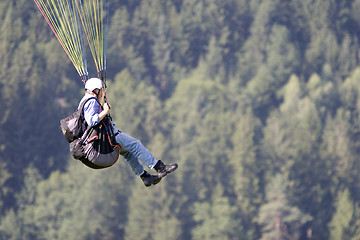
(74, 20)
(64, 20)
(94, 15)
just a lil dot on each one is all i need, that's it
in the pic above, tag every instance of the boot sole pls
(153, 183)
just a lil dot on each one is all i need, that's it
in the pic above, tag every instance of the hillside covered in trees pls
(258, 101)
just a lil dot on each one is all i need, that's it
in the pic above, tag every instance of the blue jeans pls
(133, 151)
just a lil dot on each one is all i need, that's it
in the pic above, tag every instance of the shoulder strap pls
(81, 108)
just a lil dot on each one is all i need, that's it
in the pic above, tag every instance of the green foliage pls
(257, 101)
(75, 205)
(140, 103)
(152, 214)
(341, 220)
(214, 219)
(246, 167)
(280, 220)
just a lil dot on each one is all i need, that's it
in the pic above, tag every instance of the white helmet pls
(93, 83)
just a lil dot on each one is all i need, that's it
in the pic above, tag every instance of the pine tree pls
(354, 229)
(198, 137)
(278, 218)
(337, 146)
(140, 103)
(152, 213)
(341, 220)
(278, 145)
(81, 203)
(20, 224)
(246, 169)
(214, 217)
(4, 191)
(162, 51)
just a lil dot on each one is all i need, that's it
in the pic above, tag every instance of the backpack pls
(91, 145)
(74, 126)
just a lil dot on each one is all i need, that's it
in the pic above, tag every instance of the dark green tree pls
(340, 223)
(214, 217)
(152, 213)
(246, 167)
(80, 204)
(278, 218)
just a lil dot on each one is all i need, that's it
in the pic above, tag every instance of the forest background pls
(257, 101)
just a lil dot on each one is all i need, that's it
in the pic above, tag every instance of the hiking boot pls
(163, 169)
(149, 179)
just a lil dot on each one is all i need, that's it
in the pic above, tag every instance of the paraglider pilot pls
(131, 149)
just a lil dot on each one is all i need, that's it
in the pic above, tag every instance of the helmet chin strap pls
(96, 93)
(103, 98)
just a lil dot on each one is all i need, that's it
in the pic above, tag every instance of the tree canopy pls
(257, 101)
